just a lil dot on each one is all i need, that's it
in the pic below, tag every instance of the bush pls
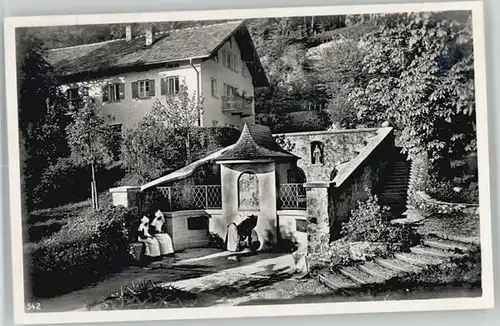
(63, 183)
(295, 121)
(371, 223)
(460, 190)
(215, 241)
(84, 250)
(153, 150)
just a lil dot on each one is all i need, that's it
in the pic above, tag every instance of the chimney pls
(149, 35)
(128, 32)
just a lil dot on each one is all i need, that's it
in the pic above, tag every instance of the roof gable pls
(176, 45)
(256, 142)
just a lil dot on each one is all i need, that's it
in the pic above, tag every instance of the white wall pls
(129, 112)
(213, 105)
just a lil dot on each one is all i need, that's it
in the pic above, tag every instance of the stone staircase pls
(394, 191)
(431, 252)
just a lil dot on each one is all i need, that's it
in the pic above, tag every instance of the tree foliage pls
(90, 141)
(89, 136)
(168, 137)
(42, 118)
(420, 76)
(151, 150)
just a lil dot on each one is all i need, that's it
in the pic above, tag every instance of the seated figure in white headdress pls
(152, 246)
(160, 234)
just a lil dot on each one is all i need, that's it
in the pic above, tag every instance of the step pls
(394, 184)
(361, 277)
(393, 195)
(470, 240)
(377, 270)
(337, 281)
(428, 251)
(397, 265)
(448, 245)
(418, 260)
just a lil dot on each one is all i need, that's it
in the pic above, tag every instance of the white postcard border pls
(486, 301)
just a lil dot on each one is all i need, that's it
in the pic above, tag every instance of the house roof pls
(256, 142)
(199, 42)
(185, 171)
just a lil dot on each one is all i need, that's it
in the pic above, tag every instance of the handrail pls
(352, 166)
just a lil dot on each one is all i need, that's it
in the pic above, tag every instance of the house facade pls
(127, 76)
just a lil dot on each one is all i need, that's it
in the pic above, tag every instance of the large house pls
(126, 75)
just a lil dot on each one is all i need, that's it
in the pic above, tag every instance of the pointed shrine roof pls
(256, 142)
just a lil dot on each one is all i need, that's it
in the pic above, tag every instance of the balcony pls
(237, 105)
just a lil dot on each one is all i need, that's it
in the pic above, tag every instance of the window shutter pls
(151, 87)
(121, 90)
(135, 90)
(105, 93)
(176, 81)
(163, 86)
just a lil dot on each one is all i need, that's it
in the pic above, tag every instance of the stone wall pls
(188, 229)
(369, 174)
(338, 147)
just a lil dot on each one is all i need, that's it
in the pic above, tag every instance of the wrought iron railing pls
(292, 196)
(190, 197)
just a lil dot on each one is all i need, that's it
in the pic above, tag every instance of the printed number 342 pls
(33, 306)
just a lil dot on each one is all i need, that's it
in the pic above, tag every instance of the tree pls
(180, 111)
(420, 76)
(42, 119)
(89, 138)
(151, 150)
(339, 70)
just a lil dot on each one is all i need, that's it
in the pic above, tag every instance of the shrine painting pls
(248, 191)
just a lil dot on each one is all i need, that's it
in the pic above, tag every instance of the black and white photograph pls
(248, 162)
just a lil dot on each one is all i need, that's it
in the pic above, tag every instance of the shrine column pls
(318, 221)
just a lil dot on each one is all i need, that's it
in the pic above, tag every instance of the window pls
(243, 71)
(72, 94)
(116, 135)
(230, 91)
(113, 92)
(170, 85)
(213, 86)
(143, 88)
(229, 60)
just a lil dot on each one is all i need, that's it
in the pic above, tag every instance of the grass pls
(42, 223)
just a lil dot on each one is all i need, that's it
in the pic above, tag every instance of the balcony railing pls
(176, 198)
(292, 196)
(237, 105)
